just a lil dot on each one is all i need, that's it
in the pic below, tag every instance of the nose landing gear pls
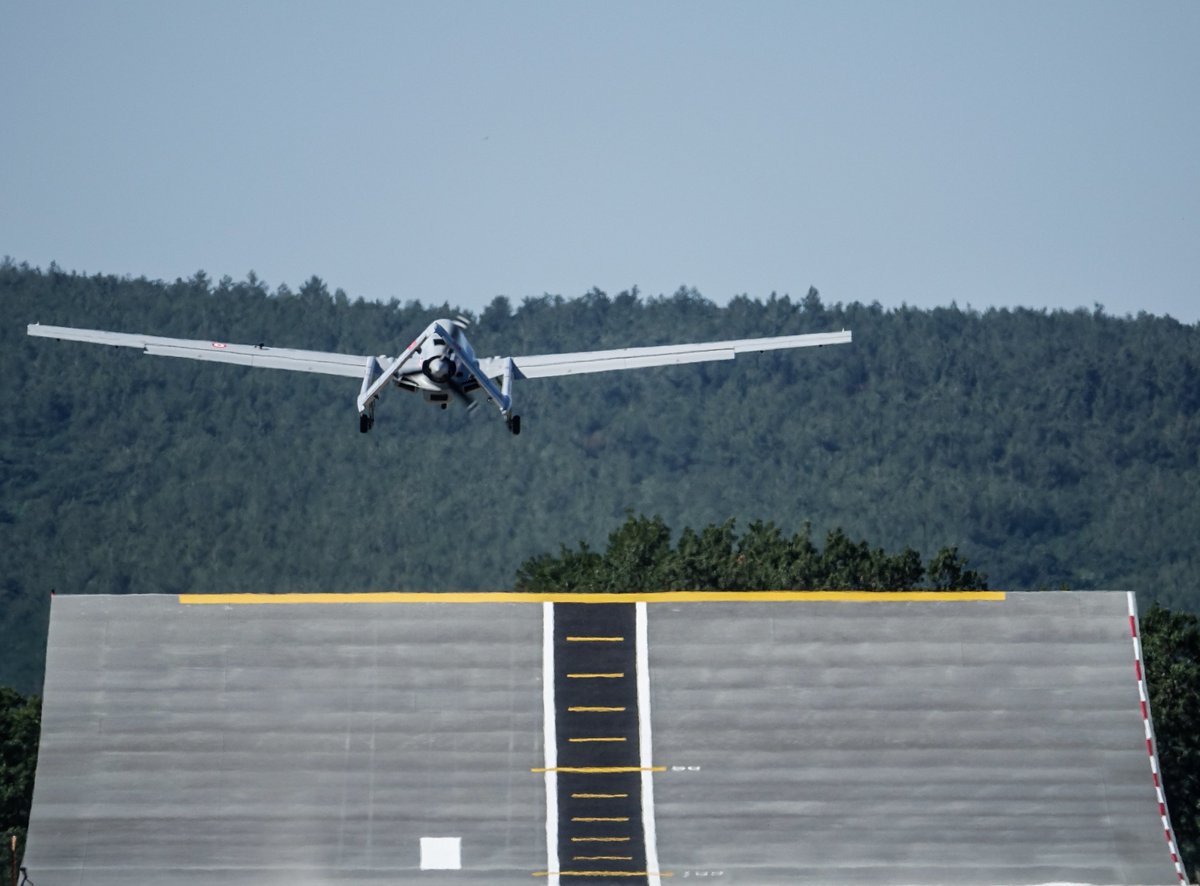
(514, 424)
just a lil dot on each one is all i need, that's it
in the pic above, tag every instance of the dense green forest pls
(1060, 448)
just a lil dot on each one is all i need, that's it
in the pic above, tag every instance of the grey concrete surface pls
(804, 742)
(903, 743)
(287, 744)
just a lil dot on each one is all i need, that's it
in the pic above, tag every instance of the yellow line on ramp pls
(648, 597)
(604, 873)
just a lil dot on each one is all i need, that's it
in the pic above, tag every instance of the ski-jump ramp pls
(773, 738)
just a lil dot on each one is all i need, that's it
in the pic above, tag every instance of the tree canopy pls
(1171, 649)
(20, 725)
(641, 557)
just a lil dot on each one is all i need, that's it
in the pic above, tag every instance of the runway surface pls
(750, 739)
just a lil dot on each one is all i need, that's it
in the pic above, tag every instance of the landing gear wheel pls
(365, 422)
(514, 424)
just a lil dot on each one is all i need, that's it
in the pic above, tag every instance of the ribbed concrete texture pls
(904, 743)
(287, 745)
(798, 741)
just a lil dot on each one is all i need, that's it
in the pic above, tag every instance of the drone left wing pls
(580, 362)
(215, 351)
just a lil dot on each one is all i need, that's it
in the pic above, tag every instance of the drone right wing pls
(580, 362)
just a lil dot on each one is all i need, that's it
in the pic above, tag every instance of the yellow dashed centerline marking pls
(605, 738)
(594, 710)
(582, 818)
(601, 858)
(599, 796)
(601, 839)
(595, 639)
(595, 676)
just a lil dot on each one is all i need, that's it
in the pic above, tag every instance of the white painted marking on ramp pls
(550, 742)
(646, 746)
(441, 853)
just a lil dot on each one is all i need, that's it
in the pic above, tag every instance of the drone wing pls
(580, 362)
(322, 362)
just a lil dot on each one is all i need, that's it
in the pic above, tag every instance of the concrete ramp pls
(759, 739)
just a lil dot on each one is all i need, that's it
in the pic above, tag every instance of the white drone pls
(441, 364)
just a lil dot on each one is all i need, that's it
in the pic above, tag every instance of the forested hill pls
(1053, 449)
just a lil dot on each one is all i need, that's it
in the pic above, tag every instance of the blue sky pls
(992, 154)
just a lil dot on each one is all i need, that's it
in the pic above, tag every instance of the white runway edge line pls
(550, 744)
(646, 746)
(1151, 744)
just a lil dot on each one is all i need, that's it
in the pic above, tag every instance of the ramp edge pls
(1151, 741)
